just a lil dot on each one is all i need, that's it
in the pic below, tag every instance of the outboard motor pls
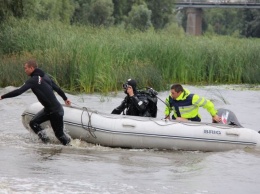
(228, 117)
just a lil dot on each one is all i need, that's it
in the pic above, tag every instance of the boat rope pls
(88, 127)
(165, 122)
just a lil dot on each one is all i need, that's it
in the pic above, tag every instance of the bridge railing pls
(218, 1)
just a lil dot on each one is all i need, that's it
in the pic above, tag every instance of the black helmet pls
(130, 82)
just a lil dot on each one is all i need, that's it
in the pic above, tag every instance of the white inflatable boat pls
(142, 132)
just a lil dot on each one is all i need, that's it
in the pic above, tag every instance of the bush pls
(140, 17)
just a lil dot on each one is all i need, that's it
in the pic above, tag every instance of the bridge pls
(194, 10)
(242, 4)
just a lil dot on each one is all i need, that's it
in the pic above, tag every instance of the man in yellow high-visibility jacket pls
(185, 106)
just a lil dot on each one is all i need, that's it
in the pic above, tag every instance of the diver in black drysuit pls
(43, 86)
(138, 103)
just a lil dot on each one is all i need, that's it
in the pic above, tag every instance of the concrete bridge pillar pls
(194, 21)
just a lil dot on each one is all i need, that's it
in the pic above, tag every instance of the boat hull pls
(144, 133)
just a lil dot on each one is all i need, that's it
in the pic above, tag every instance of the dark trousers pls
(56, 120)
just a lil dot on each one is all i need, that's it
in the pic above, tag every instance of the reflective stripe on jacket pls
(188, 105)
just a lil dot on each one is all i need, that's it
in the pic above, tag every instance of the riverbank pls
(87, 59)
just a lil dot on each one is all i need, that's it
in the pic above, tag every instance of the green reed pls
(87, 59)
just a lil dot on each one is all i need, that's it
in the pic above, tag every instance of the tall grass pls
(86, 59)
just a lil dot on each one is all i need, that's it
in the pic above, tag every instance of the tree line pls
(131, 14)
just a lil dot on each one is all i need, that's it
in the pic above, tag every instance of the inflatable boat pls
(145, 133)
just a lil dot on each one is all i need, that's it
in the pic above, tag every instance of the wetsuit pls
(42, 86)
(136, 105)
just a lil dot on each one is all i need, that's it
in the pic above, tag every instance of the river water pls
(28, 166)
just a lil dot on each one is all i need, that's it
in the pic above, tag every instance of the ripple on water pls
(28, 166)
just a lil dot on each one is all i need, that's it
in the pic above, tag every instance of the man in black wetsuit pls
(136, 103)
(42, 86)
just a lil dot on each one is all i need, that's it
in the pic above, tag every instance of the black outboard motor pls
(228, 117)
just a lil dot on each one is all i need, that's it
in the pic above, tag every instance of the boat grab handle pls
(235, 133)
(128, 124)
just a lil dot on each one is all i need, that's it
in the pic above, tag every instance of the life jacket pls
(187, 102)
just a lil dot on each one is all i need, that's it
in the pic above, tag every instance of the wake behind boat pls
(143, 132)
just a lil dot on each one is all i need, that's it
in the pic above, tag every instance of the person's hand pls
(181, 119)
(216, 118)
(130, 91)
(68, 102)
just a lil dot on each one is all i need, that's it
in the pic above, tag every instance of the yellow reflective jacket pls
(188, 105)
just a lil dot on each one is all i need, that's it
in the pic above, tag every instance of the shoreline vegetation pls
(91, 59)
